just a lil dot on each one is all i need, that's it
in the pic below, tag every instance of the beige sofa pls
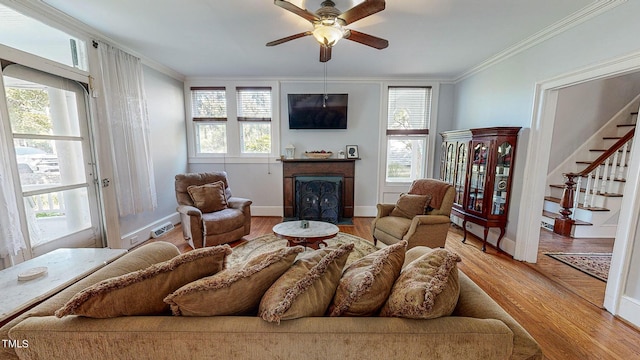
(478, 329)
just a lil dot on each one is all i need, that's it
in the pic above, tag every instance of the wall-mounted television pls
(312, 111)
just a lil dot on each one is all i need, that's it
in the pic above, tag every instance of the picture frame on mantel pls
(352, 152)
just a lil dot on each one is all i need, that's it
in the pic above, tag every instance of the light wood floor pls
(556, 304)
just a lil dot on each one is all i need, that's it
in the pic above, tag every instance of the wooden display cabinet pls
(479, 164)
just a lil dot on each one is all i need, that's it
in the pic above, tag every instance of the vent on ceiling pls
(161, 230)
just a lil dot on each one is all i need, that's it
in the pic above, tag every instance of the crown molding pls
(589, 12)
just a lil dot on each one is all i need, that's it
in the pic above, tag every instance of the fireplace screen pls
(319, 198)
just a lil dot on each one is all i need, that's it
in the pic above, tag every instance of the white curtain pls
(11, 237)
(124, 107)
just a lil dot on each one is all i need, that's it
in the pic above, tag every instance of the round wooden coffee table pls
(311, 236)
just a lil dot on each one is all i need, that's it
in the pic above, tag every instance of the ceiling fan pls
(329, 25)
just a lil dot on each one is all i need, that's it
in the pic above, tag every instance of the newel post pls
(564, 224)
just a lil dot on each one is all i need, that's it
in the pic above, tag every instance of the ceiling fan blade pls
(368, 40)
(362, 10)
(288, 38)
(296, 10)
(325, 53)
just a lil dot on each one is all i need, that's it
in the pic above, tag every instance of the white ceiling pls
(427, 38)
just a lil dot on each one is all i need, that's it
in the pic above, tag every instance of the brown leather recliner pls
(214, 228)
(429, 229)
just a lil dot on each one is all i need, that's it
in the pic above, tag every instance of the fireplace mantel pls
(292, 168)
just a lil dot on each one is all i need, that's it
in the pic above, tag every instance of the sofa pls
(478, 329)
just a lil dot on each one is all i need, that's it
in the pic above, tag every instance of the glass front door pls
(49, 126)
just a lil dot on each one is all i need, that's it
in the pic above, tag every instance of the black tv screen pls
(312, 111)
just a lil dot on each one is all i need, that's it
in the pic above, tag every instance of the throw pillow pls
(234, 291)
(141, 292)
(427, 287)
(307, 288)
(208, 197)
(410, 205)
(365, 284)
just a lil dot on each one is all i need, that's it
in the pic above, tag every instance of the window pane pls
(405, 158)
(256, 137)
(409, 108)
(29, 35)
(56, 214)
(44, 164)
(209, 103)
(212, 138)
(254, 104)
(37, 109)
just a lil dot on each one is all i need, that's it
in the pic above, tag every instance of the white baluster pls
(603, 182)
(576, 197)
(623, 161)
(614, 171)
(587, 190)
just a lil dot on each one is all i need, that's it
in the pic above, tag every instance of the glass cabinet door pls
(477, 176)
(461, 173)
(503, 167)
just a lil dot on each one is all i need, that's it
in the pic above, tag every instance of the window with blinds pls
(254, 118)
(209, 113)
(408, 120)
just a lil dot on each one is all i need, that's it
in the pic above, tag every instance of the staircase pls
(598, 171)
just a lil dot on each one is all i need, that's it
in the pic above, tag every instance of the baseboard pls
(134, 238)
(365, 211)
(506, 244)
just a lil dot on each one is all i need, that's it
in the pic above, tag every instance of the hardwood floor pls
(545, 298)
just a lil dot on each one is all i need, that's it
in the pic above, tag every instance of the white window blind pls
(208, 104)
(409, 108)
(254, 104)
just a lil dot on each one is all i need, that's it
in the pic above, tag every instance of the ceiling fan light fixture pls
(328, 34)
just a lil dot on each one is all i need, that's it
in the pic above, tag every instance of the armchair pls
(225, 218)
(422, 228)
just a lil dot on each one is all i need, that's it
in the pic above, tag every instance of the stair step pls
(590, 162)
(557, 201)
(616, 179)
(603, 150)
(583, 190)
(553, 215)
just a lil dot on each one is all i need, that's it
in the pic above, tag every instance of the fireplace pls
(319, 198)
(331, 180)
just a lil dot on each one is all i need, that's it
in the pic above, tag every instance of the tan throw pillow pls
(410, 205)
(234, 291)
(208, 197)
(367, 282)
(141, 292)
(427, 288)
(307, 288)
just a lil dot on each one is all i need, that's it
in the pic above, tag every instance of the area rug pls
(594, 264)
(265, 243)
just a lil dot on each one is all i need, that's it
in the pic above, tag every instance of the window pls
(209, 110)
(407, 131)
(254, 118)
(232, 123)
(30, 35)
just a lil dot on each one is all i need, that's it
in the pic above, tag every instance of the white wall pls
(262, 182)
(583, 109)
(503, 94)
(168, 142)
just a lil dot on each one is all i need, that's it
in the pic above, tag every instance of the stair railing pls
(600, 175)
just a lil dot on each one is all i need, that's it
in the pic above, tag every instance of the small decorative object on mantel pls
(352, 152)
(291, 151)
(341, 154)
(318, 154)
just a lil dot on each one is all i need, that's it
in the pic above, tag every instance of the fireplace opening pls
(318, 198)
